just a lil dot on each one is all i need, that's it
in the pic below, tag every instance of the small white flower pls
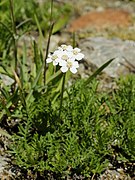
(53, 58)
(64, 47)
(69, 64)
(77, 55)
(67, 57)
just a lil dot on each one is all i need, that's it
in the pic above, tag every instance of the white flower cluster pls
(66, 57)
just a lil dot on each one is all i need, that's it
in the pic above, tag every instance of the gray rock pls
(114, 175)
(99, 50)
(3, 163)
(6, 79)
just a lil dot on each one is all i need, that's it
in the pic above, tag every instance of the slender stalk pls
(74, 40)
(47, 50)
(12, 16)
(62, 91)
(14, 32)
(51, 15)
(48, 42)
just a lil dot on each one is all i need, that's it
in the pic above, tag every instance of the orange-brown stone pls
(103, 19)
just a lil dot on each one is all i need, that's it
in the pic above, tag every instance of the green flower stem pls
(14, 32)
(74, 40)
(48, 42)
(47, 50)
(62, 91)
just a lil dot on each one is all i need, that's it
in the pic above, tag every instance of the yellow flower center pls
(64, 47)
(54, 57)
(69, 64)
(75, 52)
(65, 57)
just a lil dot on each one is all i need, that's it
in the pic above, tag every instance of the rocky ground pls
(104, 30)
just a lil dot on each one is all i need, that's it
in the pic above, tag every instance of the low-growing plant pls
(89, 137)
(122, 107)
(59, 130)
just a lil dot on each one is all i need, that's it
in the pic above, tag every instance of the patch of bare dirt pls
(99, 20)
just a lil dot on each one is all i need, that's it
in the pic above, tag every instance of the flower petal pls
(62, 63)
(49, 60)
(73, 70)
(79, 56)
(55, 63)
(64, 69)
(77, 50)
(75, 64)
